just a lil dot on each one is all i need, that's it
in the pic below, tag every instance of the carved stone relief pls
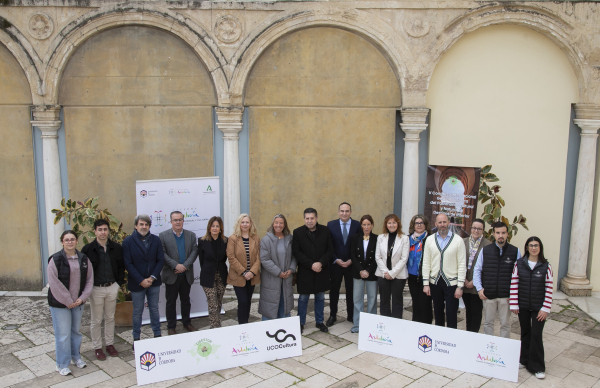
(417, 28)
(41, 26)
(228, 29)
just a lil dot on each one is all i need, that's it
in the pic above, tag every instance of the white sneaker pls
(80, 363)
(63, 371)
(540, 375)
(521, 366)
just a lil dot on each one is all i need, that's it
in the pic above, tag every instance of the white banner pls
(172, 357)
(199, 200)
(449, 348)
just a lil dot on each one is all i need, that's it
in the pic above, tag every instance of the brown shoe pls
(190, 328)
(172, 331)
(112, 351)
(100, 354)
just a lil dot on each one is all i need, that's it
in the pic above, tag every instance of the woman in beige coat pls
(243, 253)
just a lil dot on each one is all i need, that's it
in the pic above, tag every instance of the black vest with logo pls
(64, 275)
(532, 285)
(497, 270)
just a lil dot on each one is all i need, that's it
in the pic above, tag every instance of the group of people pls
(440, 268)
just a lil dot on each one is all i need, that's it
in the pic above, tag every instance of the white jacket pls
(399, 256)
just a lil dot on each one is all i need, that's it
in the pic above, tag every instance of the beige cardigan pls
(453, 266)
(399, 256)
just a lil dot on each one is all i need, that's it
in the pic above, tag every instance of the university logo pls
(143, 193)
(147, 361)
(425, 344)
(203, 349)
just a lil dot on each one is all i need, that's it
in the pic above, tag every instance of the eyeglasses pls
(534, 246)
(419, 223)
(476, 229)
(70, 240)
(177, 220)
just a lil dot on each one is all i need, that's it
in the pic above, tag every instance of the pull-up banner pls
(181, 355)
(441, 346)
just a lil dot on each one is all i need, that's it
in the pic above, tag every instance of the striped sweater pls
(514, 290)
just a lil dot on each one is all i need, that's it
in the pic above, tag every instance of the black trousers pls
(391, 290)
(474, 311)
(182, 289)
(532, 345)
(421, 302)
(336, 273)
(244, 297)
(443, 298)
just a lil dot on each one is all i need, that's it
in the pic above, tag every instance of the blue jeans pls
(359, 299)
(281, 311)
(66, 323)
(319, 307)
(138, 298)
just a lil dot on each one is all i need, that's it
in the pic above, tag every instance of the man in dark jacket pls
(144, 259)
(341, 230)
(492, 277)
(313, 249)
(106, 257)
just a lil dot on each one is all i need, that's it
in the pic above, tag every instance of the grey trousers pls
(501, 306)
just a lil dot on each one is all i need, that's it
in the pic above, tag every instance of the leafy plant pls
(492, 212)
(81, 216)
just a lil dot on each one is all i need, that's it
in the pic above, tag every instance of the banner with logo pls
(453, 191)
(188, 354)
(199, 200)
(449, 348)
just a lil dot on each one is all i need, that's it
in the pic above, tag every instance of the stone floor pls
(571, 341)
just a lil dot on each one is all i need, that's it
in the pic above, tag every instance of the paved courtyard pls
(571, 341)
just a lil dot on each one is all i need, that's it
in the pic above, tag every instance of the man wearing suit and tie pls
(341, 231)
(181, 250)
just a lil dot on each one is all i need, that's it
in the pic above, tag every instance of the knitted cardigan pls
(453, 266)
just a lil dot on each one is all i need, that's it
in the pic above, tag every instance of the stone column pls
(230, 123)
(576, 282)
(413, 123)
(47, 120)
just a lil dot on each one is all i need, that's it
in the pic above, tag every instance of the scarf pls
(416, 248)
(473, 247)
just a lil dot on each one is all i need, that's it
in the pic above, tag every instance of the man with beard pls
(492, 277)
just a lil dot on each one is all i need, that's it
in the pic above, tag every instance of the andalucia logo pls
(203, 349)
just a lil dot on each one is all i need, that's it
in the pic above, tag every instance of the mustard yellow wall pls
(20, 265)
(502, 95)
(322, 127)
(137, 105)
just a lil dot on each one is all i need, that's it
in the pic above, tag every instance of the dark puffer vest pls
(497, 270)
(64, 274)
(532, 285)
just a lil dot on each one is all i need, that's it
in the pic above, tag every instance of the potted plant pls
(81, 215)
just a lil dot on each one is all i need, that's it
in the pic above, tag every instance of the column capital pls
(230, 121)
(587, 111)
(47, 119)
(413, 122)
(589, 127)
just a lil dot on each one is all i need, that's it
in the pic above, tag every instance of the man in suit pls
(313, 249)
(341, 230)
(181, 250)
(144, 259)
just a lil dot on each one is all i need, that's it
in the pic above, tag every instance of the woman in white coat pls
(391, 257)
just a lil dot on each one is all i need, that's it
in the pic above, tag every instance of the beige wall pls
(502, 95)
(138, 105)
(322, 123)
(20, 265)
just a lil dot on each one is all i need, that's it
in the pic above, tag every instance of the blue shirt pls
(479, 268)
(443, 241)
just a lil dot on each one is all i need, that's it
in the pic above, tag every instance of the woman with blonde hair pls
(243, 249)
(391, 256)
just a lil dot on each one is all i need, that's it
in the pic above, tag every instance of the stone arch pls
(368, 26)
(541, 20)
(88, 25)
(21, 49)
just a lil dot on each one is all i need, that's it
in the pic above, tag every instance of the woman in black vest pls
(212, 251)
(70, 280)
(531, 298)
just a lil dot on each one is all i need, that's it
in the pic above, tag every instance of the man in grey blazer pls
(181, 250)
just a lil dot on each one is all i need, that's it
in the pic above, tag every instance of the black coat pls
(210, 264)
(115, 252)
(307, 252)
(357, 254)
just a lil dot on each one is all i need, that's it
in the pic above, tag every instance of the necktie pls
(344, 232)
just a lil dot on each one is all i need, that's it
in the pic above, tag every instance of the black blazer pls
(307, 252)
(357, 252)
(341, 251)
(209, 263)
(115, 252)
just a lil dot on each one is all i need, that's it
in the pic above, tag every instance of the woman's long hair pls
(286, 230)
(207, 236)
(541, 257)
(395, 218)
(237, 230)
